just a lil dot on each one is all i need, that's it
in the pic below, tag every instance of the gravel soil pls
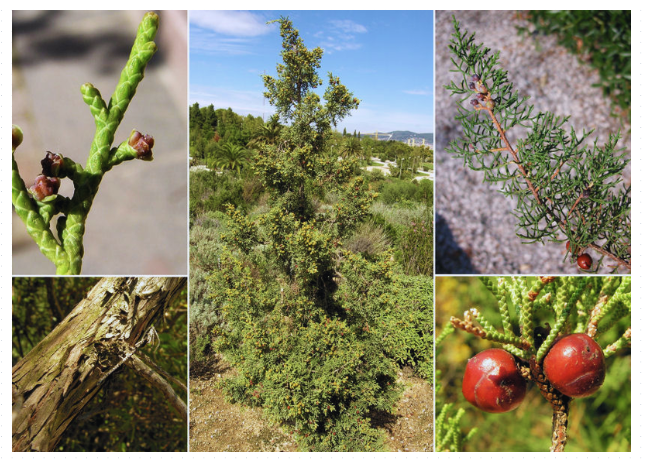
(475, 230)
(219, 426)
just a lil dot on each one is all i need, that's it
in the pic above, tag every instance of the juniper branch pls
(36, 211)
(563, 190)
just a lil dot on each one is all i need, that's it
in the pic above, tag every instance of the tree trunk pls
(58, 377)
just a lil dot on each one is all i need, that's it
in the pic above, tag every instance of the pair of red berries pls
(575, 366)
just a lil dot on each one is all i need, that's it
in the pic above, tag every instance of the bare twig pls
(559, 426)
(172, 379)
(157, 381)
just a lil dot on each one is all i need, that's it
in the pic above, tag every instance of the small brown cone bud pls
(143, 144)
(52, 164)
(480, 87)
(44, 186)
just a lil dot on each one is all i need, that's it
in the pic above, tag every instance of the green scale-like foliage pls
(65, 249)
(563, 189)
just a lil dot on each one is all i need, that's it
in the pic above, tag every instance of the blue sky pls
(384, 57)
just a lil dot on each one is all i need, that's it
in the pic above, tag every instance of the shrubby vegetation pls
(311, 276)
(226, 141)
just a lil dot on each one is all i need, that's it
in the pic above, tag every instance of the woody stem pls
(561, 225)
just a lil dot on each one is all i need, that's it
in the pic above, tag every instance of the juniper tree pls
(312, 328)
(564, 190)
(38, 205)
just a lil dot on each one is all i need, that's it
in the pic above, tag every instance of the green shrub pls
(397, 191)
(369, 239)
(199, 347)
(412, 322)
(315, 332)
(374, 175)
(425, 192)
(318, 370)
(416, 247)
(211, 191)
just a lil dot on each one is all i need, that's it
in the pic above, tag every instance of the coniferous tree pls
(306, 322)
(209, 118)
(195, 117)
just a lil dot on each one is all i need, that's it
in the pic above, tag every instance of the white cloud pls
(339, 46)
(232, 23)
(348, 26)
(213, 43)
(341, 35)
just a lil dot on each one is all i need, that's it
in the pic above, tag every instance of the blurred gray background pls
(475, 229)
(138, 221)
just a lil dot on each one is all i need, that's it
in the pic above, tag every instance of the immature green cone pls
(16, 137)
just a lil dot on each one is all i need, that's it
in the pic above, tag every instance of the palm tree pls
(230, 156)
(351, 148)
(269, 133)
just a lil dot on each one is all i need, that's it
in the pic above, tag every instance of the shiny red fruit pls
(492, 382)
(575, 365)
(584, 261)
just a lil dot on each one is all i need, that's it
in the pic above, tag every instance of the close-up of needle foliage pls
(564, 189)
